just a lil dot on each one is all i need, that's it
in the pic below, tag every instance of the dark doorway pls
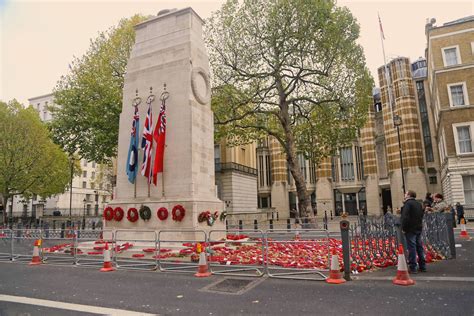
(386, 199)
(350, 203)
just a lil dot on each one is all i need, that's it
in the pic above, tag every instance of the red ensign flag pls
(159, 135)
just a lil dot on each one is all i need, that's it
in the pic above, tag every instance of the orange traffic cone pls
(464, 233)
(202, 270)
(402, 278)
(335, 276)
(107, 262)
(36, 256)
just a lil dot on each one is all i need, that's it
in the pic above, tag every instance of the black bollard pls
(241, 225)
(255, 224)
(63, 226)
(271, 224)
(288, 223)
(346, 249)
(331, 214)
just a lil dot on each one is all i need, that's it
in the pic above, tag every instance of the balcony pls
(220, 167)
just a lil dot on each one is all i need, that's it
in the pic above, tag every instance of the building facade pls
(450, 56)
(91, 190)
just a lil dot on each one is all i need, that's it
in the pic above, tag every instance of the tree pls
(290, 69)
(30, 163)
(89, 97)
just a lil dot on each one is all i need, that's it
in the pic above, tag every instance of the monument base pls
(188, 228)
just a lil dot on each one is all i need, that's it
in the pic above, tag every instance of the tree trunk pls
(5, 208)
(290, 148)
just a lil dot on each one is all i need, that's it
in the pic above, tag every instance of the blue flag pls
(132, 159)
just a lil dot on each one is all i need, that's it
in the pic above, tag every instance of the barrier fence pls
(291, 253)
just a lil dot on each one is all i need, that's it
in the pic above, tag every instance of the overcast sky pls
(38, 39)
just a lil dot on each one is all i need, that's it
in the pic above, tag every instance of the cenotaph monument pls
(168, 65)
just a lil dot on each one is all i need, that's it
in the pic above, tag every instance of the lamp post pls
(84, 214)
(397, 122)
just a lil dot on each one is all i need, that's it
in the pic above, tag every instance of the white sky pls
(39, 38)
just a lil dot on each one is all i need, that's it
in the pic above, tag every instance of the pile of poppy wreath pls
(209, 217)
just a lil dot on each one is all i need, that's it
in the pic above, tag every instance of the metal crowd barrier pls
(187, 260)
(58, 247)
(5, 245)
(242, 256)
(135, 250)
(90, 245)
(22, 243)
(435, 233)
(306, 252)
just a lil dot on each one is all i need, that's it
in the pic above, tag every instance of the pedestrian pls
(459, 212)
(453, 214)
(428, 201)
(439, 205)
(411, 220)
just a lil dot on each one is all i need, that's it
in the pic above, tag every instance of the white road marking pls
(70, 306)
(418, 278)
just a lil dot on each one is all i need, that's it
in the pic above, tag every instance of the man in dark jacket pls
(411, 219)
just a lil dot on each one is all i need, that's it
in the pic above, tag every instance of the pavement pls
(447, 288)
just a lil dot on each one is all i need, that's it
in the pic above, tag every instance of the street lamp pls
(397, 122)
(84, 215)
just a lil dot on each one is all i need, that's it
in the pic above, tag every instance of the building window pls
(451, 56)
(360, 163)
(302, 163)
(84, 184)
(404, 89)
(93, 164)
(92, 185)
(334, 171)
(464, 139)
(312, 172)
(433, 180)
(268, 172)
(468, 183)
(347, 164)
(261, 171)
(84, 174)
(93, 175)
(457, 94)
(85, 163)
(425, 125)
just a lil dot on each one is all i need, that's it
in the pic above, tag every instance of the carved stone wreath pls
(203, 97)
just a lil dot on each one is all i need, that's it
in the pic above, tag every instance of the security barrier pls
(22, 244)
(58, 247)
(5, 245)
(89, 246)
(301, 254)
(240, 254)
(180, 252)
(135, 250)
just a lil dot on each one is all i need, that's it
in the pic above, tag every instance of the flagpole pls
(387, 77)
(164, 96)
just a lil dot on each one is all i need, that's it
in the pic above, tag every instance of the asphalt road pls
(448, 288)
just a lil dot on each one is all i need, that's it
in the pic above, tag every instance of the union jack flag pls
(147, 144)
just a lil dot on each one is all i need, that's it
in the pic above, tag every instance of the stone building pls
(450, 56)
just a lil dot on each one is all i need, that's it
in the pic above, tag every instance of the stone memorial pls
(168, 63)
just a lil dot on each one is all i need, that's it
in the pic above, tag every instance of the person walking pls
(411, 220)
(459, 212)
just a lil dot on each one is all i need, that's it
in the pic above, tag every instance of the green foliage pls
(90, 95)
(30, 163)
(290, 69)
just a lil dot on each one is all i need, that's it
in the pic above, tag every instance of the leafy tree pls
(30, 163)
(290, 69)
(89, 97)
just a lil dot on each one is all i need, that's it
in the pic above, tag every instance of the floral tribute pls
(162, 213)
(132, 214)
(108, 213)
(118, 214)
(209, 217)
(178, 213)
(145, 212)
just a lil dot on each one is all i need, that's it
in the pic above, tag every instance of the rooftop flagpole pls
(387, 76)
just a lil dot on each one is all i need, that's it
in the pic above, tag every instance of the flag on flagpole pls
(381, 29)
(159, 135)
(147, 144)
(132, 159)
